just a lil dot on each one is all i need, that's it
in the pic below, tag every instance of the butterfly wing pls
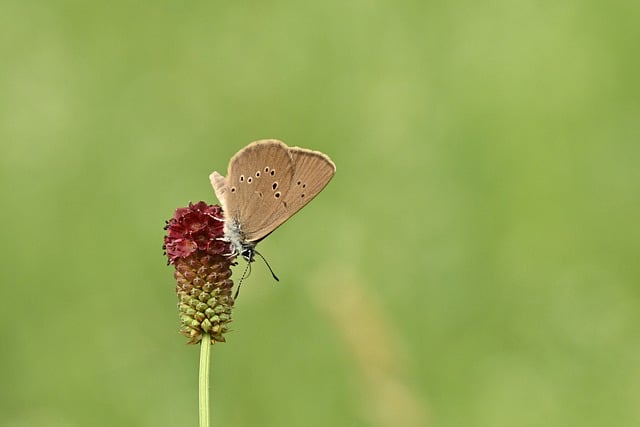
(219, 184)
(251, 194)
(312, 172)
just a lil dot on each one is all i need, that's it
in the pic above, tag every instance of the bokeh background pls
(474, 262)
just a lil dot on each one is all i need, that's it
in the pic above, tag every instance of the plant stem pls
(203, 390)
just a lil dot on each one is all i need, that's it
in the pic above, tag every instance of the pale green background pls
(474, 262)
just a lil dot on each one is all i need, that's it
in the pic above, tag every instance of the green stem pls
(203, 391)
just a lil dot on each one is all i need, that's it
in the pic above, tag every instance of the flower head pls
(197, 227)
(194, 245)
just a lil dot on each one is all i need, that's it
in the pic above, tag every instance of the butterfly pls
(267, 182)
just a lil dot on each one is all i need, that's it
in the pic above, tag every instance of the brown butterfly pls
(266, 184)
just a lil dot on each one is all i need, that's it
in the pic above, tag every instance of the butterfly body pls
(266, 184)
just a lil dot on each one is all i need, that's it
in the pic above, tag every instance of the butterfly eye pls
(233, 189)
(273, 172)
(298, 183)
(277, 195)
(241, 178)
(257, 174)
(266, 169)
(274, 186)
(249, 180)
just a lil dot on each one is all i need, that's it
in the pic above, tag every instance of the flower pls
(195, 228)
(202, 259)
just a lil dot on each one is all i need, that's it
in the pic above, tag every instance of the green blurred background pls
(474, 262)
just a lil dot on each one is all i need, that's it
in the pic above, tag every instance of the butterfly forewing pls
(258, 177)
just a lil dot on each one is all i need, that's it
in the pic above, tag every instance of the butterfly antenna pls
(245, 273)
(268, 266)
